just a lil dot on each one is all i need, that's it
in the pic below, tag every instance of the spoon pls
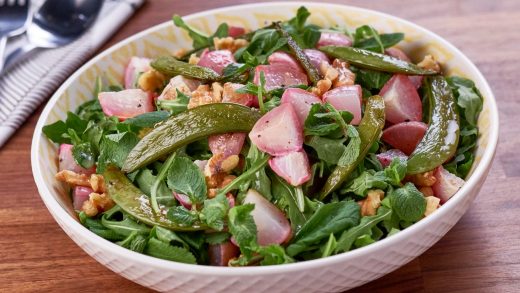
(57, 23)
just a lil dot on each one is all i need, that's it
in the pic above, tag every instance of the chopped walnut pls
(218, 164)
(426, 191)
(422, 179)
(229, 43)
(432, 204)
(151, 80)
(372, 202)
(97, 202)
(212, 192)
(321, 87)
(194, 59)
(345, 76)
(96, 181)
(73, 178)
(430, 63)
(180, 53)
(181, 84)
(203, 95)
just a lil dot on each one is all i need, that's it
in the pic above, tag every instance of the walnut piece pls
(425, 179)
(180, 53)
(97, 202)
(204, 95)
(430, 63)
(194, 59)
(432, 204)
(345, 76)
(151, 80)
(229, 43)
(372, 202)
(95, 181)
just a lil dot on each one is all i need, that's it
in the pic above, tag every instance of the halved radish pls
(301, 100)
(183, 84)
(346, 98)
(293, 167)
(387, 157)
(402, 102)
(220, 254)
(216, 60)
(135, 67)
(416, 80)
(235, 31)
(66, 161)
(278, 132)
(80, 194)
(126, 104)
(334, 39)
(227, 143)
(405, 136)
(231, 200)
(316, 57)
(446, 185)
(397, 53)
(283, 58)
(183, 199)
(271, 224)
(230, 95)
(280, 75)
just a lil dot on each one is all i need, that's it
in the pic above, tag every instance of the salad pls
(288, 143)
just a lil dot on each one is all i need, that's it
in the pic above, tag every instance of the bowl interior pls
(166, 38)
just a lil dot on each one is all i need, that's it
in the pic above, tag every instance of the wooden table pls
(481, 253)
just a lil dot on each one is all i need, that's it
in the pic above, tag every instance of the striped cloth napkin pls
(31, 82)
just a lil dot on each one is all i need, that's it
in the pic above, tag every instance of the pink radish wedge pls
(227, 143)
(280, 57)
(216, 60)
(126, 104)
(271, 224)
(387, 157)
(301, 100)
(220, 254)
(446, 185)
(334, 39)
(66, 161)
(316, 57)
(230, 95)
(279, 75)
(135, 67)
(293, 167)
(235, 31)
(405, 136)
(80, 194)
(402, 102)
(278, 132)
(183, 199)
(346, 98)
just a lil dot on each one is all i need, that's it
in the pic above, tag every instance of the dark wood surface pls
(480, 254)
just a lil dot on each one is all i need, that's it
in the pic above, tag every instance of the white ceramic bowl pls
(334, 273)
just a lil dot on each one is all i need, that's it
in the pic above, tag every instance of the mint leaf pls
(396, 171)
(217, 237)
(408, 203)
(185, 177)
(243, 228)
(180, 215)
(163, 250)
(147, 119)
(135, 242)
(55, 132)
(328, 149)
(215, 211)
(114, 149)
(468, 97)
(329, 218)
(369, 179)
(274, 255)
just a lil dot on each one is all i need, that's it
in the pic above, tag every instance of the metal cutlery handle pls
(3, 44)
(17, 55)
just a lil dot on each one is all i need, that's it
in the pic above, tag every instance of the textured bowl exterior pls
(334, 273)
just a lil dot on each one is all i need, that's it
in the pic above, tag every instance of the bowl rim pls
(62, 216)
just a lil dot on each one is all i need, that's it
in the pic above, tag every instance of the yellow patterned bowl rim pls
(322, 12)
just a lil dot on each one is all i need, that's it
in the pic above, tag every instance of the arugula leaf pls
(243, 228)
(185, 177)
(147, 119)
(469, 98)
(385, 40)
(298, 21)
(329, 218)
(215, 211)
(176, 106)
(274, 255)
(168, 236)
(348, 237)
(408, 203)
(370, 80)
(163, 250)
(396, 171)
(55, 132)
(364, 240)
(114, 149)
(135, 242)
(364, 33)
(124, 227)
(200, 40)
(321, 122)
(97, 228)
(368, 180)
(329, 246)
(351, 152)
(181, 215)
(286, 200)
(145, 179)
(258, 181)
(329, 150)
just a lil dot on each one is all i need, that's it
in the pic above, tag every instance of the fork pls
(14, 15)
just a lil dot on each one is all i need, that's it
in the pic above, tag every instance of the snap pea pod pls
(312, 72)
(187, 127)
(442, 136)
(369, 131)
(133, 201)
(170, 66)
(375, 61)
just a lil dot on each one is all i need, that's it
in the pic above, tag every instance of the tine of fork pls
(23, 2)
